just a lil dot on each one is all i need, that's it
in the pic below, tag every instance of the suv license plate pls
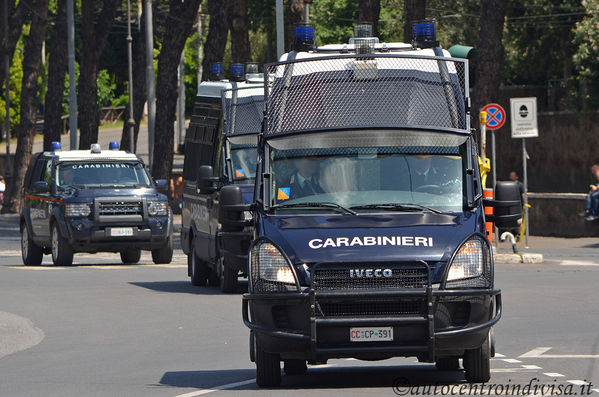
(121, 231)
(371, 334)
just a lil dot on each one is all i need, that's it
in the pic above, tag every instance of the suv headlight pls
(77, 210)
(157, 208)
(270, 270)
(471, 266)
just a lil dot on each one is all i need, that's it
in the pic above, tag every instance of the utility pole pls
(131, 120)
(181, 100)
(72, 77)
(199, 50)
(150, 83)
(280, 27)
(7, 92)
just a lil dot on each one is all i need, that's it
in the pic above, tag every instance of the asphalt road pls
(103, 329)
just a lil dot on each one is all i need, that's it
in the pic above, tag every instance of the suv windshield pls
(243, 158)
(102, 174)
(369, 170)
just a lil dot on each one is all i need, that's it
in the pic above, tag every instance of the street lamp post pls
(131, 120)
(7, 95)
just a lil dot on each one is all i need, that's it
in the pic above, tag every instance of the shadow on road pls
(185, 287)
(411, 379)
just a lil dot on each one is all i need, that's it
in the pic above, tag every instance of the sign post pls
(524, 125)
(495, 120)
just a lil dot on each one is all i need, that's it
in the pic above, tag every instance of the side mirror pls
(206, 180)
(507, 205)
(231, 209)
(40, 187)
(161, 185)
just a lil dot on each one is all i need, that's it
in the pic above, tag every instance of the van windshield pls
(102, 174)
(369, 170)
(243, 159)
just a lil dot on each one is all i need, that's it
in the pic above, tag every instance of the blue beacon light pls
(113, 145)
(56, 146)
(424, 34)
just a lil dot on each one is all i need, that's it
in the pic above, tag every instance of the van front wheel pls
(268, 368)
(477, 363)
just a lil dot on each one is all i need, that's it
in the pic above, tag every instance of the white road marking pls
(536, 352)
(509, 370)
(531, 367)
(578, 263)
(499, 355)
(553, 375)
(596, 390)
(511, 360)
(217, 388)
(578, 382)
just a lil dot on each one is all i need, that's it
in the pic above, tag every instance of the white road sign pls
(524, 117)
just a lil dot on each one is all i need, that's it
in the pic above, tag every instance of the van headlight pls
(77, 210)
(157, 208)
(270, 270)
(471, 266)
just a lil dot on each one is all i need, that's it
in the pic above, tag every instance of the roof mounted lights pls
(304, 37)
(252, 73)
(362, 30)
(237, 73)
(424, 34)
(216, 71)
(95, 148)
(56, 146)
(364, 45)
(113, 145)
(251, 68)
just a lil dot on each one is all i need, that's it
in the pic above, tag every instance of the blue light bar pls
(304, 37)
(216, 69)
(424, 34)
(56, 146)
(113, 145)
(237, 73)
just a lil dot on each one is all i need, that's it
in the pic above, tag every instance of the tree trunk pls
(240, 38)
(32, 61)
(139, 85)
(295, 16)
(16, 20)
(57, 70)
(173, 43)
(414, 10)
(490, 62)
(94, 34)
(216, 41)
(369, 13)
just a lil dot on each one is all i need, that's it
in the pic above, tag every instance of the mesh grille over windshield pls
(243, 110)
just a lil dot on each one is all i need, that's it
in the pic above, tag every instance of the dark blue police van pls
(369, 229)
(220, 149)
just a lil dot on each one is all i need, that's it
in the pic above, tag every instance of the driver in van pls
(423, 173)
(304, 182)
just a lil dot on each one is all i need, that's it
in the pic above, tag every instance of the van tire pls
(477, 363)
(130, 256)
(227, 277)
(295, 367)
(198, 269)
(62, 252)
(164, 254)
(31, 253)
(268, 368)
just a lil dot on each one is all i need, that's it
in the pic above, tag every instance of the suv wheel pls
(32, 253)
(477, 363)
(198, 269)
(268, 368)
(227, 277)
(131, 256)
(62, 252)
(164, 254)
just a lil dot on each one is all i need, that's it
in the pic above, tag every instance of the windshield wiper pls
(66, 187)
(316, 205)
(396, 207)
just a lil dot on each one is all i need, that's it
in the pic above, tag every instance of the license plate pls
(371, 334)
(121, 231)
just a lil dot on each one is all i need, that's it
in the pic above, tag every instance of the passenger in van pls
(304, 182)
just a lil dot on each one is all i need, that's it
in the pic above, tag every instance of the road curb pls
(518, 258)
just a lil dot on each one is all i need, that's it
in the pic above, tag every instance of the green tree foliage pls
(586, 40)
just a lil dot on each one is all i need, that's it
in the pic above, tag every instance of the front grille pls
(373, 307)
(120, 208)
(376, 276)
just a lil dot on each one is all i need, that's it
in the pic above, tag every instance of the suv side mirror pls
(507, 205)
(231, 209)
(40, 187)
(206, 180)
(161, 185)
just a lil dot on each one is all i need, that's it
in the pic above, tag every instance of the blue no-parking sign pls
(495, 116)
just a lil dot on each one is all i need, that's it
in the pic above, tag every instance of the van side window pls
(47, 172)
